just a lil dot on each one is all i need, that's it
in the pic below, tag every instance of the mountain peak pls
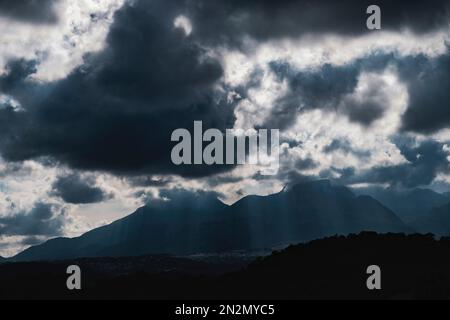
(409, 205)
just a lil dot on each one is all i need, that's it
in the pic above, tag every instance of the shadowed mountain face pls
(206, 225)
(436, 222)
(447, 194)
(408, 205)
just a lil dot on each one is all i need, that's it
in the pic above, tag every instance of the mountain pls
(447, 194)
(436, 222)
(2, 259)
(409, 205)
(202, 224)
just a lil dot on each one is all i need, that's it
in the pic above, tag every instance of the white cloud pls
(316, 129)
(183, 23)
(82, 28)
(309, 52)
(7, 100)
(259, 102)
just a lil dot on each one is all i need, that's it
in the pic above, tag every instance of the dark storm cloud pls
(230, 21)
(330, 87)
(15, 82)
(425, 162)
(35, 11)
(43, 220)
(16, 73)
(322, 88)
(364, 112)
(117, 112)
(429, 93)
(369, 108)
(305, 164)
(77, 190)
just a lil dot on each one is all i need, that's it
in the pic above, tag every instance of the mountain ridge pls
(409, 205)
(191, 225)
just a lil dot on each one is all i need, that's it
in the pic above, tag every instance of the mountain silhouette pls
(203, 224)
(436, 222)
(447, 194)
(409, 205)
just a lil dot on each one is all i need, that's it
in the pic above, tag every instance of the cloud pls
(146, 181)
(32, 241)
(59, 47)
(425, 162)
(305, 164)
(232, 21)
(368, 103)
(345, 147)
(14, 169)
(75, 189)
(357, 91)
(322, 88)
(73, 98)
(428, 81)
(42, 220)
(116, 113)
(38, 12)
(16, 72)
(153, 78)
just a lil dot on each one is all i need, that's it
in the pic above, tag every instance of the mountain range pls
(409, 205)
(202, 224)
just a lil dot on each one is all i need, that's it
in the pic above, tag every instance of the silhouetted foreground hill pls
(413, 267)
(202, 224)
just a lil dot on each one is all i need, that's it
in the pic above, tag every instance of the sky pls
(91, 91)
